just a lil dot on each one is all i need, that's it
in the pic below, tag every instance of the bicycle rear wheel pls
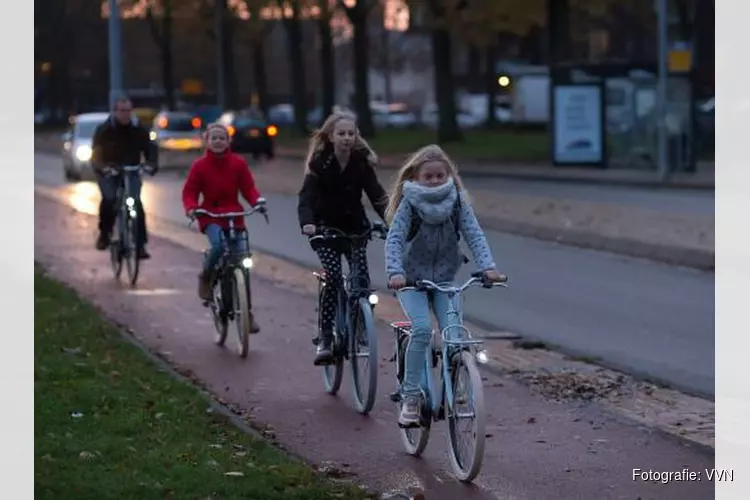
(333, 374)
(364, 358)
(219, 311)
(467, 405)
(241, 312)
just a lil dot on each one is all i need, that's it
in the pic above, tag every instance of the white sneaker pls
(410, 412)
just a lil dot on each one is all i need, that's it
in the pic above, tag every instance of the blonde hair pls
(410, 170)
(321, 137)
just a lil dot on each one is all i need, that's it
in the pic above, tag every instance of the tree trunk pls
(261, 76)
(230, 78)
(167, 62)
(297, 70)
(361, 53)
(558, 37)
(474, 69)
(328, 68)
(448, 130)
(490, 81)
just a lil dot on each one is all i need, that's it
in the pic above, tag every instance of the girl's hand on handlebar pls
(309, 229)
(492, 276)
(190, 214)
(397, 282)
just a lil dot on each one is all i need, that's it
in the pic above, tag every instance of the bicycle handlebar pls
(260, 206)
(332, 233)
(114, 171)
(476, 279)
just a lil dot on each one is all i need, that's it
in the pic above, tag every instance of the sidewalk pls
(702, 179)
(536, 448)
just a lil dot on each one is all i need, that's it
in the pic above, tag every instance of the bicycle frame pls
(349, 292)
(450, 345)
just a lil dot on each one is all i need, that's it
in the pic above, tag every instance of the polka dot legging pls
(330, 259)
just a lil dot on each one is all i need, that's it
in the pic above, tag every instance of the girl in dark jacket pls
(339, 167)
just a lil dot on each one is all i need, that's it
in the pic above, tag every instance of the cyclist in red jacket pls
(220, 176)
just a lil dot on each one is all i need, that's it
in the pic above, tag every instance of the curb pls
(679, 184)
(674, 255)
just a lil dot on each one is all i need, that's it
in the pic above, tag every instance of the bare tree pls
(358, 14)
(291, 15)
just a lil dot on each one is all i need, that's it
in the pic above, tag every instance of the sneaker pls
(204, 286)
(410, 412)
(102, 242)
(324, 352)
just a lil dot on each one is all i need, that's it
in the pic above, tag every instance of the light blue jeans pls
(416, 305)
(214, 233)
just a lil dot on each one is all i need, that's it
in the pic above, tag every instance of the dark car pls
(250, 132)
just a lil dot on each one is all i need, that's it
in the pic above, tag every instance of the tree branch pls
(153, 28)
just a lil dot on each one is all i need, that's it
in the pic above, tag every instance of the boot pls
(254, 327)
(204, 286)
(324, 351)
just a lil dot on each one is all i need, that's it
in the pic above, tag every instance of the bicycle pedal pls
(316, 341)
(395, 397)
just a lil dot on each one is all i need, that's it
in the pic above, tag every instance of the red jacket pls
(219, 178)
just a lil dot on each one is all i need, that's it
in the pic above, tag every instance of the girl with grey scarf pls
(429, 192)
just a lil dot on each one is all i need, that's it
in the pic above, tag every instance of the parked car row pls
(396, 116)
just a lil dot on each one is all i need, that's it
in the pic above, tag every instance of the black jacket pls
(332, 198)
(118, 145)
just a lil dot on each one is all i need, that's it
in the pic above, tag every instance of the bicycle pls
(230, 279)
(354, 334)
(453, 355)
(126, 242)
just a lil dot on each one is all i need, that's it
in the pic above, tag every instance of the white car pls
(77, 145)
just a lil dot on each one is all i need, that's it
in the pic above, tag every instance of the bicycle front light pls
(83, 153)
(373, 299)
(130, 202)
(247, 263)
(483, 357)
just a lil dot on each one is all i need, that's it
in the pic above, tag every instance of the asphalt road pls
(645, 318)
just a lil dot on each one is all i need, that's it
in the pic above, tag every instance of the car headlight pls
(247, 263)
(83, 153)
(373, 299)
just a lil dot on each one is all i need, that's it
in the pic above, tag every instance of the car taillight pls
(196, 122)
(231, 130)
(271, 130)
(162, 122)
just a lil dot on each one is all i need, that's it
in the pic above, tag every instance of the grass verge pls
(110, 425)
(521, 146)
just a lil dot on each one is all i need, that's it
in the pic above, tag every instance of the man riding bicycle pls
(117, 142)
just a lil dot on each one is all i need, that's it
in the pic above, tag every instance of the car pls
(394, 115)
(77, 145)
(177, 131)
(250, 132)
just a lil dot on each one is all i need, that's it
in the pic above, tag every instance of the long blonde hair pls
(410, 170)
(321, 137)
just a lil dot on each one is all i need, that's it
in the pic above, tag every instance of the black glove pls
(152, 169)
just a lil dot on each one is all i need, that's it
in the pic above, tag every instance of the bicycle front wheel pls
(241, 312)
(466, 416)
(363, 355)
(130, 246)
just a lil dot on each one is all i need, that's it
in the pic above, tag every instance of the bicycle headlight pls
(133, 213)
(373, 299)
(129, 202)
(83, 153)
(483, 357)
(247, 263)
